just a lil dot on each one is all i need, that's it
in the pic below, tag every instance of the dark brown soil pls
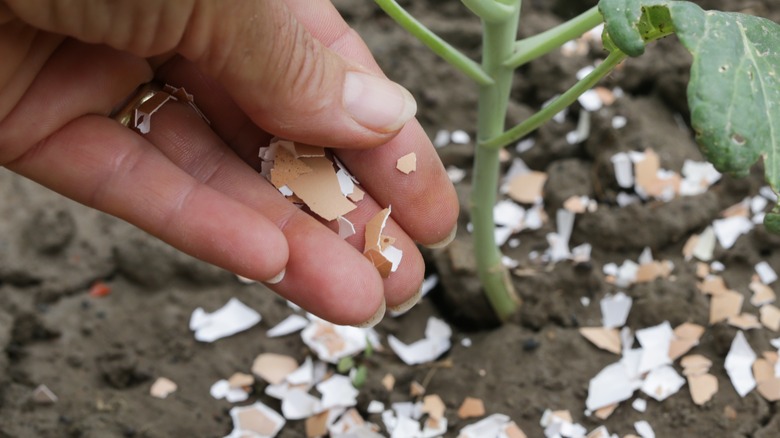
(100, 355)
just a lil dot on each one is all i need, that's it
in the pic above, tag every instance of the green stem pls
(488, 10)
(556, 106)
(434, 42)
(538, 45)
(498, 40)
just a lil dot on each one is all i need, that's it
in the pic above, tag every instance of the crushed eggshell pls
(408, 163)
(770, 317)
(232, 318)
(762, 294)
(702, 387)
(471, 407)
(527, 188)
(739, 365)
(255, 420)
(388, 382)
(435, 343)
(241, 380)
(289, 325)
(744, 321)
(162, 387)
(42, 395)
(725, 305)
(434, 406)
(332, 342)
(273, 368)
(384, 256)
(602, 337)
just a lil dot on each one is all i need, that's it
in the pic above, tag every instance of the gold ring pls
(126, 113)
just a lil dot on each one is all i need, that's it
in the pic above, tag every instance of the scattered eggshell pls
(221, 389)
(435, 343)
(434, 406)
(744, 321)
(762, 294)
(695, 364)
(770, 389)
(655, 343)
(273, 368)
(317, 425)
(604, 338)
(298, 404)
(470, 408)
(611, 385)
(287, 168)
(388, 382)
(639, 405)
(332, 342)
(728, 230)
(42, 395)
(162, 387)
(512, 430)
(232, 318)
(241, 380)
(605, 412)
(725, 305)
(702, 387)
(644, 429)
(739, 365)
(600, 432)
(527, 187)
(460, 136)
(763, 370)
(662, 382)
(408, 163)
(346, 228)
(257, 419)
(337, 391)
(416, 389)
(765, 272)
(291, 324)
(770, 317)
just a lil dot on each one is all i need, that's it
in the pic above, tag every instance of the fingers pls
(285, 80)
(434, 224)
(325, 274)
(104, 165)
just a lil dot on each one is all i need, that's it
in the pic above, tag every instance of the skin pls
(257, 69)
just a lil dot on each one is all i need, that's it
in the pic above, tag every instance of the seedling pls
(733, 94)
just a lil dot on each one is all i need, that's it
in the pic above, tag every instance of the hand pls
(290, 68)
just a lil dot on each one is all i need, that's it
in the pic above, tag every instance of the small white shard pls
(337, 391)
(394, 256)
(375, 407)
(405, 427)
(232, 318)
(304, 374)
(582, 132)
(346, 182)
(460, 137)
(619, 122)
(615, 309)
(705, 246)
(442, 138)
(299, 404)
(611, 385)
(758, 204)
(662, 382)
(255, 421)
(509, 214)
(727, 230)
(43, 395)
(331, 342)
(291, 324)
(525, 145)
(435, 343)
(143, 114)
(655, 343)
(624, 170)
(765, 272)
(487, 427)
(739, 365)
(590, 100)
(644, 429)
(584, 71)
(455, 174)
(162, 387)
(639, 405)
(221, 389)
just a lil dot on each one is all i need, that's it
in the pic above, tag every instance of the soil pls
(100, 355)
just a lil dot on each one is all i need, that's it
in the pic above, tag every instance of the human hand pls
(289, 68)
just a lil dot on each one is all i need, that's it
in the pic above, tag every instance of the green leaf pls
(345, 364)
(734, 89)
(359, 379)
(631, 24)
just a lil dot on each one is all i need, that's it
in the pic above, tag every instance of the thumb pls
(288, 82)
(285, 80)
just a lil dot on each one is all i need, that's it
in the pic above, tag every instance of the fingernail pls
(377, 103)
(447, 240)
(408, 304)
(277, 278)
(374, 320)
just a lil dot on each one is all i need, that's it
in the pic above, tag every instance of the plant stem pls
(488, 10)
(538, 45)
(435, 42)
(557, 105)
(498, 40)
